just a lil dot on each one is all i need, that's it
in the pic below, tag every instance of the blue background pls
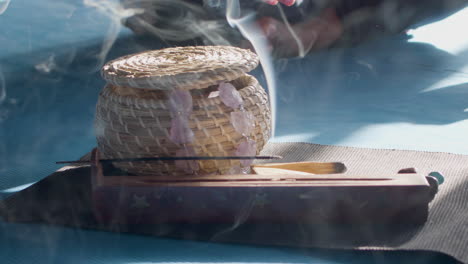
(394, 92)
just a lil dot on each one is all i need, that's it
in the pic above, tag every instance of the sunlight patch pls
(448, 34)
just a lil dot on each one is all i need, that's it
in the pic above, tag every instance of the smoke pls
(240, 217)
(6, 104)
(178, 21)
(302, 51)
(3, 92)
(115, 12)
(47, 66)
(3, 114)
(252, 32)
(4, 6)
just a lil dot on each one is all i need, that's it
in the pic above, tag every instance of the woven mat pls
(63, 198)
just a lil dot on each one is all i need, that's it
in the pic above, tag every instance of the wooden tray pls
(333, 198)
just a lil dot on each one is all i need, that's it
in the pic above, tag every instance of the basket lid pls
(180, 67)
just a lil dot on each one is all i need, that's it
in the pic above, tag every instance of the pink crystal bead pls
(180, 132)
(180, 102)
(229, 95)
(243, 122)
(247, 148)
(188, 166)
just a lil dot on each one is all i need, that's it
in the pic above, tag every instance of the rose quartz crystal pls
(180, 132)
(229, 95)
(180, 102)
(247, 148)
(243, 122)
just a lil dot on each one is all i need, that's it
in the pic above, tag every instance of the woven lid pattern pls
(180, 67)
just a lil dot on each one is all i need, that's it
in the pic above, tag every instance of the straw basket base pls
(134, 122)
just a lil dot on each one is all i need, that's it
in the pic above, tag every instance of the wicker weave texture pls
(180, 67)
(136, 123)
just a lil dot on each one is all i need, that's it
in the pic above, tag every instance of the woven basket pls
(135, 122)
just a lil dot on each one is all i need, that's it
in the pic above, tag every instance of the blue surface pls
(390, 93)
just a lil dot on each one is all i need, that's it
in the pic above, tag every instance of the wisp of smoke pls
(3, 95)
(240, 218)
(3, 92)
(177, 20)
(252, 32)
(302, 51)
(115, 12)
(4, 6)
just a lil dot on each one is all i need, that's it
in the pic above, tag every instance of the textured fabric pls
(63, 198)
(447, 227)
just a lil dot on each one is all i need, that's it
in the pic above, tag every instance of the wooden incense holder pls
(327, 198)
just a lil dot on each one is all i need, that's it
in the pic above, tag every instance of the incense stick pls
(173, 159)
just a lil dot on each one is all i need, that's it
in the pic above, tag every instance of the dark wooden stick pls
(173, 158)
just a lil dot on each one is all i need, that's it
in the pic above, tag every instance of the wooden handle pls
(300, 167)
